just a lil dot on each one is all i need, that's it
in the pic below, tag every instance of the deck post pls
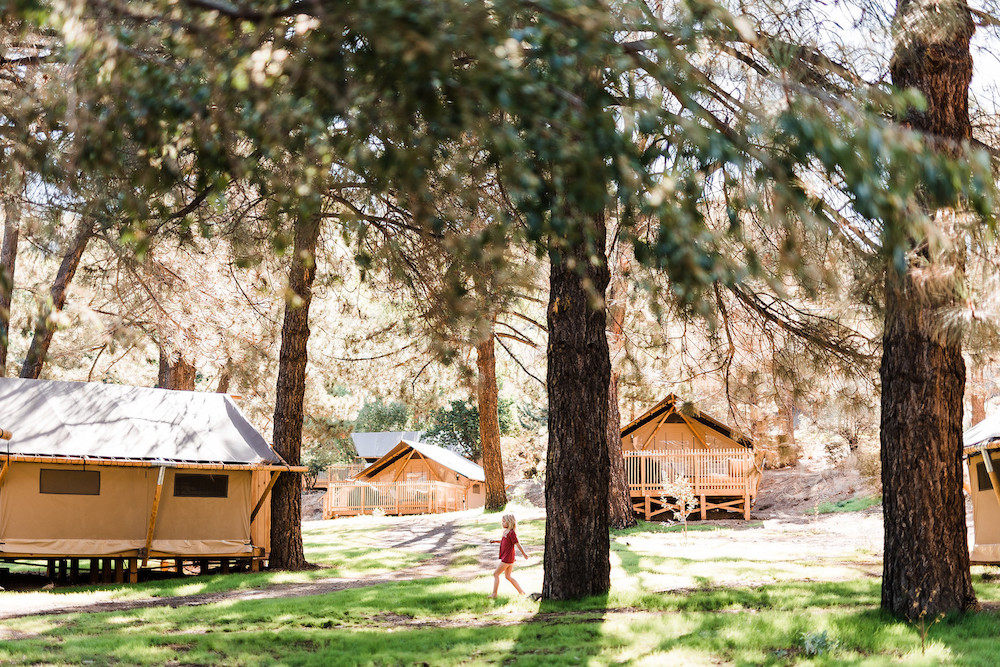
(119, 570)
(704, 512)
(94, 568)
(152, 514)
(133, 570)
(74, 569)
(50, 568)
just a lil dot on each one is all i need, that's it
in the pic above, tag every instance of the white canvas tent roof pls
(107, 421)
(448, 459)
(374, 445)
(984, 435)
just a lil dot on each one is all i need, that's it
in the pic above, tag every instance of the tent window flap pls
(201, 486)
(70, 482)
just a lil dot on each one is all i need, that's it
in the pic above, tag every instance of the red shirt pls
(507, 543)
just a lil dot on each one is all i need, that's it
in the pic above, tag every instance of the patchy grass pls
(440, 621)
(646, 527)
(849, 505)
(666, 606)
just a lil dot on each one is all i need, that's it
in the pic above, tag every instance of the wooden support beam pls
(133, 570)
(694, 431)
(119, 570)
(4, 469)
(403, 465)
(152, 515)
(74, 570)
(263, 496)
(656, 428)
(988, 462)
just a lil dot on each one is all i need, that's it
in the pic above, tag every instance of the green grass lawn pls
(796, 619)
(849, 505)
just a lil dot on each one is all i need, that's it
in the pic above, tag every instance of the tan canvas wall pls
(985, 517)
(109, 523)
(676, 435)
(476, 495)
(116, 520)
(203, 526)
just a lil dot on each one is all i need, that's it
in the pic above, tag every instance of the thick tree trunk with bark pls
(34, 360)
(8, 258)
(286, 498)
(489, 424)
(576, 479)
(620, 512)
(225, 379)
(175, 372)
(926, 563)
(977, 394)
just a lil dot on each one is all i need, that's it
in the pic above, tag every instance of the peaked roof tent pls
(448, 459)
(133, 426)
(375, 445)
(670, 405)
(984, 435)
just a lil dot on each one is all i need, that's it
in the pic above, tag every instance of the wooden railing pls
(353, 498)
(715, 472)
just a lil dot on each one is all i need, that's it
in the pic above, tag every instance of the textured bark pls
(978, 404)
(620, 512)
(489, 424)
(175, 372)
(576, 480)
(926, 562)
(286, 498)
(34, 360)
(977, 394)
(225, 379)
(8, 258)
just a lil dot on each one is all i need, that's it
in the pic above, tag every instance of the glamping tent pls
(982, 453)
(119, 473)
(668, 445)
(411, 478)
(373, 446)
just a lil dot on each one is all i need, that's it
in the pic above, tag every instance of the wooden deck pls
(353, 498)
(336, 473)
(721, 479)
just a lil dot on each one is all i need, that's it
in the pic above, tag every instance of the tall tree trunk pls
(225, 379)
(620, 512)
(577, 543)
(489, 424)
(175, 372)
(286, 498)
(977, 394)
(926, 562)
(8, 257)
(44, 327)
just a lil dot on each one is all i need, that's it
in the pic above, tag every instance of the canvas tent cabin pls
(373, 446)
(982, 454)
(676, 444)
(121, 475)
(411, 478)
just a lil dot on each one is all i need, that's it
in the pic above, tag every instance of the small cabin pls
(119, 476)
(411, 478)
(982, 455)
(673, 444)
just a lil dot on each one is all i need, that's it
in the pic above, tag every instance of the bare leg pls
(510, 569)
(496, 577)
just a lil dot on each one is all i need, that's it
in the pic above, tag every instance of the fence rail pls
(725, 473)
(351, 498)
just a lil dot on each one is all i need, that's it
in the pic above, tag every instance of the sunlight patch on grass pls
(849, 505)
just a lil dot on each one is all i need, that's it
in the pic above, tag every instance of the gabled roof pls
(671, 404)
(374, 445)
(108, 421)
(984, 435)
(448, 459)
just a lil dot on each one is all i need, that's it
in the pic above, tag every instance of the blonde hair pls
(508, 521)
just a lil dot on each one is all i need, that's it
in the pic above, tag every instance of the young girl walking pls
(507, 542)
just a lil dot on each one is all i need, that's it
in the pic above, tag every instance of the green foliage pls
(378, 415)
(849, 505)
(457, 426)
